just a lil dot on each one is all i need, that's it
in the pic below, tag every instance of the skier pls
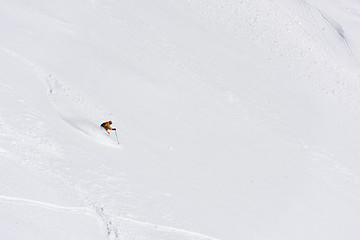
(106, 126)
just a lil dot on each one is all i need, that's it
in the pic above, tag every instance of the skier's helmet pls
(110, 122)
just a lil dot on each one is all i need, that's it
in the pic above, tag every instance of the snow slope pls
(236, 119)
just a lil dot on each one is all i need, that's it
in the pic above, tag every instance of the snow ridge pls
(96, 211)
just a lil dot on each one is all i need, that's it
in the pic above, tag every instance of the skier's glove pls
(114, 129)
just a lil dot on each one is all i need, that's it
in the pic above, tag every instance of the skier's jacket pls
(107, 126)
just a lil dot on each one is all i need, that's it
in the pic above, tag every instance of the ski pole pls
(117, 137)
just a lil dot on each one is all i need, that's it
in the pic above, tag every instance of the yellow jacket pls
(107, 126)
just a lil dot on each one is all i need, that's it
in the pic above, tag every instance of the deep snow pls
(236, 119)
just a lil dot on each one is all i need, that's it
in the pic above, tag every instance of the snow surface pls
(236, 119)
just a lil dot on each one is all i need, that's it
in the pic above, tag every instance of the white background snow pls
(237, 119)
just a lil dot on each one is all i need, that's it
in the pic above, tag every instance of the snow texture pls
(236, 119)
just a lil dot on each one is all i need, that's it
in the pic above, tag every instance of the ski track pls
(44, 205)
(98, 213)
(60, 95)
(72, 106)
(167, 228)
